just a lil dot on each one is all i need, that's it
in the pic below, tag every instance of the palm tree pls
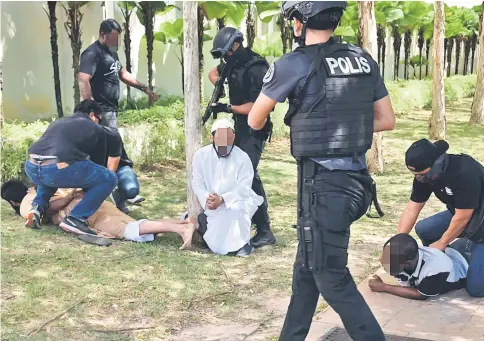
(250, 25)
(477, 110)
(367, 32)
(127, 8)
(74, 31)
(147, 10)
(55, 55)
(437, 119)
(386, 12)
(478, 11)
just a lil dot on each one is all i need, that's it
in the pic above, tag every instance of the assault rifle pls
(218, 93)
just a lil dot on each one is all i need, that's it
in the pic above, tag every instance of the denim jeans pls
(128, 184)
(432, 228)
(110, 119)
(97, 181)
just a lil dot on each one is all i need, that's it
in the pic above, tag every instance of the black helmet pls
(224, 40)
(308, 9)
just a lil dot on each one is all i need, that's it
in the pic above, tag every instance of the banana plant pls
(268, 45)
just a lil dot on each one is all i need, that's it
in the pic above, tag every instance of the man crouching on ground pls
(107, 221)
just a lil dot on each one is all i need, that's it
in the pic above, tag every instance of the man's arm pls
(213, 75)
(259, 111)
(87, 68)
(457, 225)
(113, 163)
(128, 79)
(384, 117)
(57, 204)
(409, 216)
(377, 285)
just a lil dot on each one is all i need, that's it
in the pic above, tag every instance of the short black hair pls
(404, 246)
(109, 25)
(88, 106)
(14, 190)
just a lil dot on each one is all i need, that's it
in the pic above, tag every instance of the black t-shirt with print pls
(104, 67)
(460, 187)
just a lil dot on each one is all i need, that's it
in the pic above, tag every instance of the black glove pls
(221, 107)
(264, 133)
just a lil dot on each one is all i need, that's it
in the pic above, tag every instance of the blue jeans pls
(127, 183)
(98, 182)
(432, 228)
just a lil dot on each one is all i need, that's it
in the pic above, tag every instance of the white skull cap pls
(222, 123)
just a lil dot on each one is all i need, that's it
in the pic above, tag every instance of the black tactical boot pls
(263, 237)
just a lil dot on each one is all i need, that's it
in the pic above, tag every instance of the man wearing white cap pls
(222, 181)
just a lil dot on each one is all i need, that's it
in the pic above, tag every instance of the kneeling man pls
(222, 177)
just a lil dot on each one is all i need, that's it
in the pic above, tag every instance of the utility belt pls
(306, 224)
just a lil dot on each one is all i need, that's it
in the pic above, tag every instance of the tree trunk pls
(149, 21)
(427, 52)
(368, 33)
(55, 56)
(250, 23)
(421, 42)
(406, 44)
(220, 23)
(380, 40)
(397, 43)
(467, 51)
(200, 19)
(383, 59)
(458, 41)
(450, 47)
(437, 120)
(473, 48)
(127, 48)
(193, 122)
(446, 44)
(282, 26)
(477, 110)
(73, 28)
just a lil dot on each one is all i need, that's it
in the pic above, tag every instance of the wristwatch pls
(143, 88)
(229, 108)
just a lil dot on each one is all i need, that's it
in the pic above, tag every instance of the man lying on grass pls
(107, 221)
(422, 272)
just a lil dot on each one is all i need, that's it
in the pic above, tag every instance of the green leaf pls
(214, 9)
(345, 31)
(394, 14)
(268, 15)
(268, 45)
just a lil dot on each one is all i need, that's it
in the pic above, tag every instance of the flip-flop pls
(95, 240)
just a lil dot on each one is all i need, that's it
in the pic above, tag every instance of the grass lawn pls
(126, 286)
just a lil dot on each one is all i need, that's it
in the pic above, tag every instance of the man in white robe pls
(222, 181)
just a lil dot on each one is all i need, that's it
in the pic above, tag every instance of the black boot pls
(263, 237)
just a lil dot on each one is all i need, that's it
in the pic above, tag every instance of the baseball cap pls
(423, 153)
(222, 123)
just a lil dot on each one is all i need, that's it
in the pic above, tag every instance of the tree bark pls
(368, 33)
(200, 19)
(450, 47)
(127, 46)
(458, 41)
(467, 51)
(427, 52)
(193, 135)
(477, 110)
(473, 48)
(437, 120)
(250, 25)
(148, 13)
(397, 43)
(73, 28)
(421, 42)
(406, 44)
(55, 56)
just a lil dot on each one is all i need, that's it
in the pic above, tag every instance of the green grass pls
(131, 285)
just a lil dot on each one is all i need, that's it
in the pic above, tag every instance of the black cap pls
(423, 153)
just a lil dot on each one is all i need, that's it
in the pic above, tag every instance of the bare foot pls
(187, 235)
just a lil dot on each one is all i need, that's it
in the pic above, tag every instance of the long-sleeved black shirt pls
(71, 139)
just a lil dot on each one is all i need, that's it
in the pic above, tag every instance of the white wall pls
(27, 64)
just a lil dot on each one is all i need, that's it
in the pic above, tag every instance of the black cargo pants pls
(338, 198)
(254, 148)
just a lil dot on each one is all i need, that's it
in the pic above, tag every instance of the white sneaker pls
(136, 200)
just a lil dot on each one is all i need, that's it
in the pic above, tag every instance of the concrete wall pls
(27, 65)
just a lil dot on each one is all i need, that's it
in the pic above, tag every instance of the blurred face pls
(233, 49)
(223, 140)
(391, 261)
(110, 40)
(95, 117)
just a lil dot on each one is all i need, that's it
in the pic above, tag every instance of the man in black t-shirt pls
(100, 72)
(118, 162)
(458, 182)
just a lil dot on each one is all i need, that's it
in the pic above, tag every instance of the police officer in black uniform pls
(337, 99)
(246, 70)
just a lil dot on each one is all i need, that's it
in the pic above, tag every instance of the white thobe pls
(231, 177)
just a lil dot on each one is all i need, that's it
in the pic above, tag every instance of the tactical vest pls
(238, 81)
(340, 122)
